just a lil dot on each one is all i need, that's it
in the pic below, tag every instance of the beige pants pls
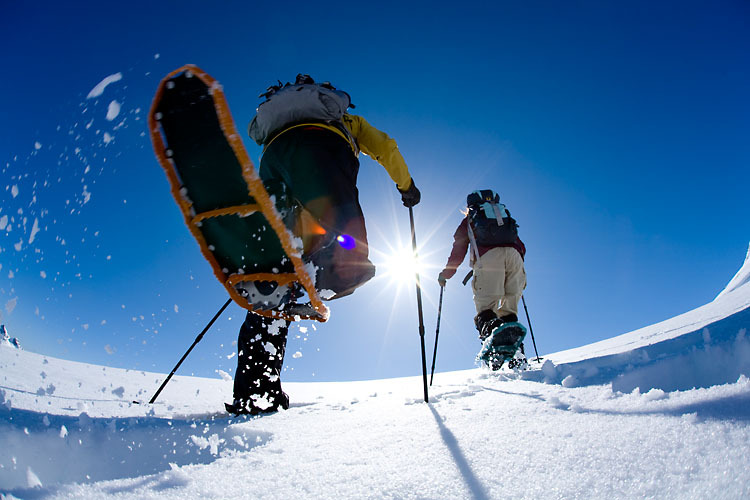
(499, 281)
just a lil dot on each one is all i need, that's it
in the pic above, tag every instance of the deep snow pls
(663, 411)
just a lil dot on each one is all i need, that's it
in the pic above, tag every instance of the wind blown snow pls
(101, 86)
(113, 110)
(663, 411)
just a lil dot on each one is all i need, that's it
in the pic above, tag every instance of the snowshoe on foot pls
(501, 344)
(244, 227)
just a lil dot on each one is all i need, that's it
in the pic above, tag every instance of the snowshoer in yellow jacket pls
(317, 160)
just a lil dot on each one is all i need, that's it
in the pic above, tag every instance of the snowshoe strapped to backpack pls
(490, 221)
(294, 104)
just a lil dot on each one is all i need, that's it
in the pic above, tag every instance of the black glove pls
(411, 196)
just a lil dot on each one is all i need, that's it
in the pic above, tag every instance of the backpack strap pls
(335, 127)
(473, 243)
(497, 211)
(498, 215)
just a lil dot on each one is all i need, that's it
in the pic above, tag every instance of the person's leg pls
(515, 283)
(260, 356)
(321, 173)
(488, 287)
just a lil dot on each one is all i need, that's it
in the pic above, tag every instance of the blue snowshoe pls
(501, 344)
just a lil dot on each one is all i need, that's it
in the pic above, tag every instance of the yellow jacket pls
(380, 147)
(374, 143)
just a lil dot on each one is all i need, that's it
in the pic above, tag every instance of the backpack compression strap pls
(473, 243)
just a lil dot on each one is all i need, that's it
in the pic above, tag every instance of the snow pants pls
(320, 170)
(499, 281)
(260, 356)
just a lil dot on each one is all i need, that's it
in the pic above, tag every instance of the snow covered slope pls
(741, 278)
(706, 346)
(663, 411)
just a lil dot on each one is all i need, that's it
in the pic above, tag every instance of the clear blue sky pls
(616, 134)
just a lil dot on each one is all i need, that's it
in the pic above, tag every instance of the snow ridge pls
(741, 278)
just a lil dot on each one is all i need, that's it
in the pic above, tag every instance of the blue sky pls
(616, 134)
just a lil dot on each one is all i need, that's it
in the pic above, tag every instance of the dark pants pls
(320, 171)
(260, 356)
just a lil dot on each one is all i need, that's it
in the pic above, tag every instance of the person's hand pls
(411, 196)
(441, 279)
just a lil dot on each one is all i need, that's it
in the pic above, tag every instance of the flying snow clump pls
(99, 88)
(113, 110)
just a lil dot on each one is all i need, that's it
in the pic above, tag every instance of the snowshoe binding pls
(501, 344)
(265, 295)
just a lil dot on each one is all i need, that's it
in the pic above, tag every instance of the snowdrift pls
(701, 348)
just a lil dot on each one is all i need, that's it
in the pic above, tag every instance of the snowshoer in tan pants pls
(497, 255)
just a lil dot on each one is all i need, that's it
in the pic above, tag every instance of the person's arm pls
(458, 252)
(380, 147)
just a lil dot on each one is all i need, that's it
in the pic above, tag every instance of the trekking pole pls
(538, 359)
(437, 332)
(419, 304)
(197, 339)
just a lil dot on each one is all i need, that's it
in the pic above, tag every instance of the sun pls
(401, 266)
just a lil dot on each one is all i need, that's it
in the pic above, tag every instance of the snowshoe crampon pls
(242, 226)
(501, 345)
(519, 362)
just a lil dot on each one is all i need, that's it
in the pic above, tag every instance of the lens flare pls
(346, 241)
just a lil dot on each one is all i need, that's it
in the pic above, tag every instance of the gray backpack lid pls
(292, 104)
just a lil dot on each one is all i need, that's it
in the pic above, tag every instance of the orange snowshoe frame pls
(213, 218)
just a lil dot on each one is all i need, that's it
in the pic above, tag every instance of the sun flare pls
(401, 266)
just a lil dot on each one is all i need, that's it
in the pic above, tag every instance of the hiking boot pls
(490, 327)
(353, 281)
(340, 271)
(509, 318)
(481, 320)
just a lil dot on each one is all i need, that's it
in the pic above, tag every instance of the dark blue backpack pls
(491, 223)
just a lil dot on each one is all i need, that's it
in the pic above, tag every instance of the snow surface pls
(663, 411)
